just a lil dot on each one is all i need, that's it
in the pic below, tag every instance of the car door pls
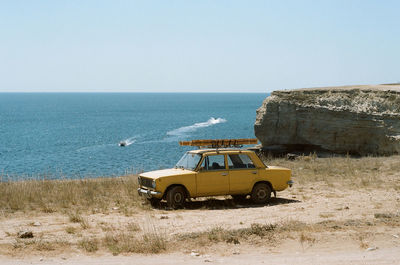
(213, 176)
(242, 173)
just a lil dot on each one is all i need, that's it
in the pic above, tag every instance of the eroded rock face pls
(355, 119)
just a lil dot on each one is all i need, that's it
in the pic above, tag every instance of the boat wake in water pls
(127, 142)
(183, 131)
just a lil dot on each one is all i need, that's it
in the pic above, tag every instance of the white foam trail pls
(129, 141)
(187, 129)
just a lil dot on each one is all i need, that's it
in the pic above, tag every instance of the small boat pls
(122, 143)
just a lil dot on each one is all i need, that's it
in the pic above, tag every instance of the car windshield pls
(188, 161)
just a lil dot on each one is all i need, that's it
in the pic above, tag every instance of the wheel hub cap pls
(178, 197)
(261, 194)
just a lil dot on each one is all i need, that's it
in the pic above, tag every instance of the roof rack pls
(218, 143)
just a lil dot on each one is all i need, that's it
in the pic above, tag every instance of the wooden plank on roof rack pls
(218, 142)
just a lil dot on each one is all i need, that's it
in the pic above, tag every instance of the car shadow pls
(227, 203)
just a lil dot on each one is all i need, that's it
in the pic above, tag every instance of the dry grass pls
(89, 244)
(273, 234)
(345, 171)
(95, 195)
(306, 240)
(103, 194)
(78, 218)
(362, 240)
(389, 219)
(219, 234)
(70, 230)
(78, 199)
(39, 244)
(126, 239)
(133, 239)
(255, 234)
(129, 241)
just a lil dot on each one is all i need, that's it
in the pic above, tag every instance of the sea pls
(77, 135)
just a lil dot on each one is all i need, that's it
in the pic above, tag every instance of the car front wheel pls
(154, 202)
(261, 193)
(176, 197)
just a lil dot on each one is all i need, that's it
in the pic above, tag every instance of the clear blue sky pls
(196, 46)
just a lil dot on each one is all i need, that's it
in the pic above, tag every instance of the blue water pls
(72, 135)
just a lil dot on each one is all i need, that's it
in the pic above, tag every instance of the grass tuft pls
(70, 230)
(130, 241)
(76, 217)
(89, 244)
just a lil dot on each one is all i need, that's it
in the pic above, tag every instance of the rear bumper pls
(148, 193)
(290, 183)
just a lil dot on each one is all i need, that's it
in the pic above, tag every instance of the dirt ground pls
(319, 222)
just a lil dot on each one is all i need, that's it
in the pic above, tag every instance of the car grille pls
(146, 182)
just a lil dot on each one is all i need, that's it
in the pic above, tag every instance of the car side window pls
(204, 164)
(214, 162)
(240, 161)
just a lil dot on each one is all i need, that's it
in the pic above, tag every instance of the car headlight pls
(153, 184)
(138, 180)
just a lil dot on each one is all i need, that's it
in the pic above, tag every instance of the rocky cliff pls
(355, 119)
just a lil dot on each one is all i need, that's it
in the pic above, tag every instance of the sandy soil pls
(353, 235)
(384, 256)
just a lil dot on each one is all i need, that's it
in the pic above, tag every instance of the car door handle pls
(254, 172)
(224, 174)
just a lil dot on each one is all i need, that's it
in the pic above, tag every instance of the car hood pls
(166, 173)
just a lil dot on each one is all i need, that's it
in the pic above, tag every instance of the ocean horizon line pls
(124, 92)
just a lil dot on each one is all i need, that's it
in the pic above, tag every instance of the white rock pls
(372, 248)
(354, 119)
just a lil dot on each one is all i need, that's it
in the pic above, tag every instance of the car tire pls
(261, 193)
(176, 197)
(154, 202)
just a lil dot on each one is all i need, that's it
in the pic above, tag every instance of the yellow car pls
(213, 172)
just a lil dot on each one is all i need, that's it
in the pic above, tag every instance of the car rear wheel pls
(176, 197)
(261, 193)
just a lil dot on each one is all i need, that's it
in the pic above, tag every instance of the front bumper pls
(148, 193)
